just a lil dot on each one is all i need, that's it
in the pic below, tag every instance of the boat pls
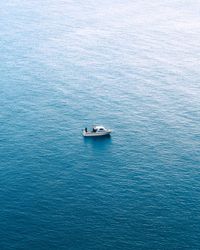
(96, 131)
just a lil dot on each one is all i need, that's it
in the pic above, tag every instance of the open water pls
(131, 65)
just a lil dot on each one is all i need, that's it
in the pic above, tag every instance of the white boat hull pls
(92, 134)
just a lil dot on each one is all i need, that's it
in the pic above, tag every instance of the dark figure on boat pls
(86, 130)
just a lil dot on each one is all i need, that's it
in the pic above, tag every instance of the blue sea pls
(130, 65)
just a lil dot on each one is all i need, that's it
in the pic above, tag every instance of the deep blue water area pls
(132, 66)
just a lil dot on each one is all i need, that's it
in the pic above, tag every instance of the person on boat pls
(86, 130)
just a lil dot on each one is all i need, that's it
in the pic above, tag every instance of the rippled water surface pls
(132, 66)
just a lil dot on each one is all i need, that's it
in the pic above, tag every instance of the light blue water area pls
(132, 66)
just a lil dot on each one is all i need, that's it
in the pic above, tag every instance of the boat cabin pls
(98, 129)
